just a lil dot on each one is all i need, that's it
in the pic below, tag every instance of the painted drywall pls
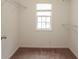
(26, 30)
(74, 27)
(31, 37)
(9, 29)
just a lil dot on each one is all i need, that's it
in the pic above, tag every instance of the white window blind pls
(44, 6)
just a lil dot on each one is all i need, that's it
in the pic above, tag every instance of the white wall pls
(10, 17)
(73, 30)
(23, 25)
(30, 37)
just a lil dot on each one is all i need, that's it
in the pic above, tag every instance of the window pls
(44, 16)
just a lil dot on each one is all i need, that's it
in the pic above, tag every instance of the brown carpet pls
(43, 53)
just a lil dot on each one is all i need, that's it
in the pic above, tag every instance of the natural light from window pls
(44, 13)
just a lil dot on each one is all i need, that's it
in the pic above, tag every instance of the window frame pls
(46, 29)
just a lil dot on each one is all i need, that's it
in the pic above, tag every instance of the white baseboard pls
(73, 52)
(13, 53)
(37, 46)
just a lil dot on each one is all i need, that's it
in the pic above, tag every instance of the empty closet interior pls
(19, 24)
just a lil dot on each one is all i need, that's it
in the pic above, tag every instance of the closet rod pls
(14, 2)
(70, 25)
